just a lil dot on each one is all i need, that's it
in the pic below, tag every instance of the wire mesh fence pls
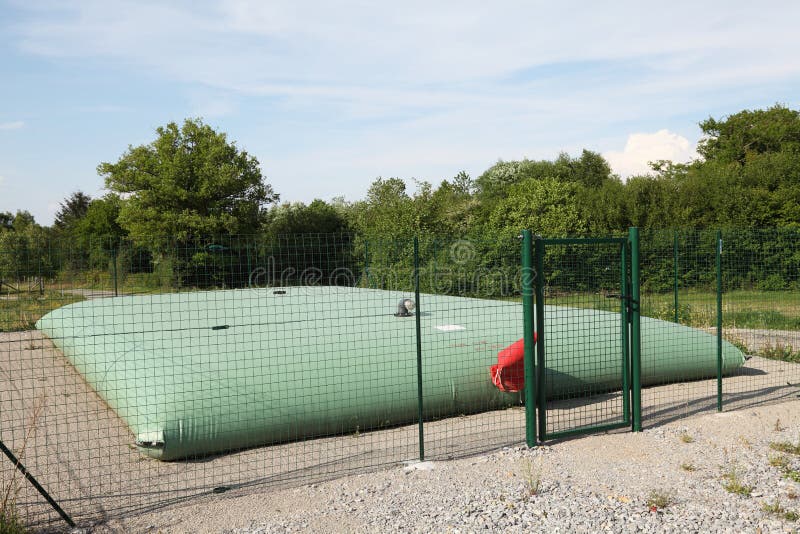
(135, 375)
(761, 314)
(679, 285)
(742, 284)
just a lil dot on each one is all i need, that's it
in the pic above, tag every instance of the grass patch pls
(689, 467)
(792, 474)
(659, 499)
(776, 509)
(698, 308)
(779, 351)
(734, 484)
(769, 319)
(785, 447)
(10, 521)
(686, 438)
(532, 476)
(780, 461)
(20, 311)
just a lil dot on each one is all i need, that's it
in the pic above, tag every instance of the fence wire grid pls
(138, 375)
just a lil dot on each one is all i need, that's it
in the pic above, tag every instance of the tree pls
(590, 170)
(6, 220)
(189, 182)
(548, 207)
(495, 181)
(184, 195)
(463, 183)
(72, 210)
(319, 217)
(23, 221)
(100, 220)
(24, 250)
(746, 134)
(387, 211)
(453, 207)
(310, 242)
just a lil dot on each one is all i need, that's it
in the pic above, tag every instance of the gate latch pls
(628, 299)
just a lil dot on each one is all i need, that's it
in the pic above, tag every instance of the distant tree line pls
(177, 204)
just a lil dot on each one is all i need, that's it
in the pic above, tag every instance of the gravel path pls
(589, 484)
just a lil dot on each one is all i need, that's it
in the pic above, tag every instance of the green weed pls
(776, 509)
(10, 521)
(659, 499)
(792, 474)
(532, 476)
(743, 308)
(686, 438)
(785, 447)
(733, 484)
(779, 351)
(779, 460)
(20, 312)
(738, 343)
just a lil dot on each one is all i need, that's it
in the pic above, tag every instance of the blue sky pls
(330, 95)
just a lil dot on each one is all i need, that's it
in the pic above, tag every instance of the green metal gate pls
(583, 303)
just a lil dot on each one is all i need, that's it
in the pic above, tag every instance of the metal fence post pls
(636, 340)
(30, 478)
(541, 337)
(719, 319)
(625, 320)
(675, 269)
(114, 256)
(366, 263)
(528, 277)
(419, 351)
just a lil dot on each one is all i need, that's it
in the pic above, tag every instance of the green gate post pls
(432, 275)
(624, 319)
(528, 278)
(636, 340)
(419, 350)
(114, 267)
(540, 332)
(249, 265)
(675, 268)
(366, 263)
(719, 319)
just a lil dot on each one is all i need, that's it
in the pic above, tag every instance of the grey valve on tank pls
(405, 308)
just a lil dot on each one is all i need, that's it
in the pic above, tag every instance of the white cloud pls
(643, 148)
(14, 125)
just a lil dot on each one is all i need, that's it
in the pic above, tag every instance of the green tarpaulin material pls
(206, 372)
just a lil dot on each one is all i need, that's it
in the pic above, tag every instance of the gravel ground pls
(590, 484)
